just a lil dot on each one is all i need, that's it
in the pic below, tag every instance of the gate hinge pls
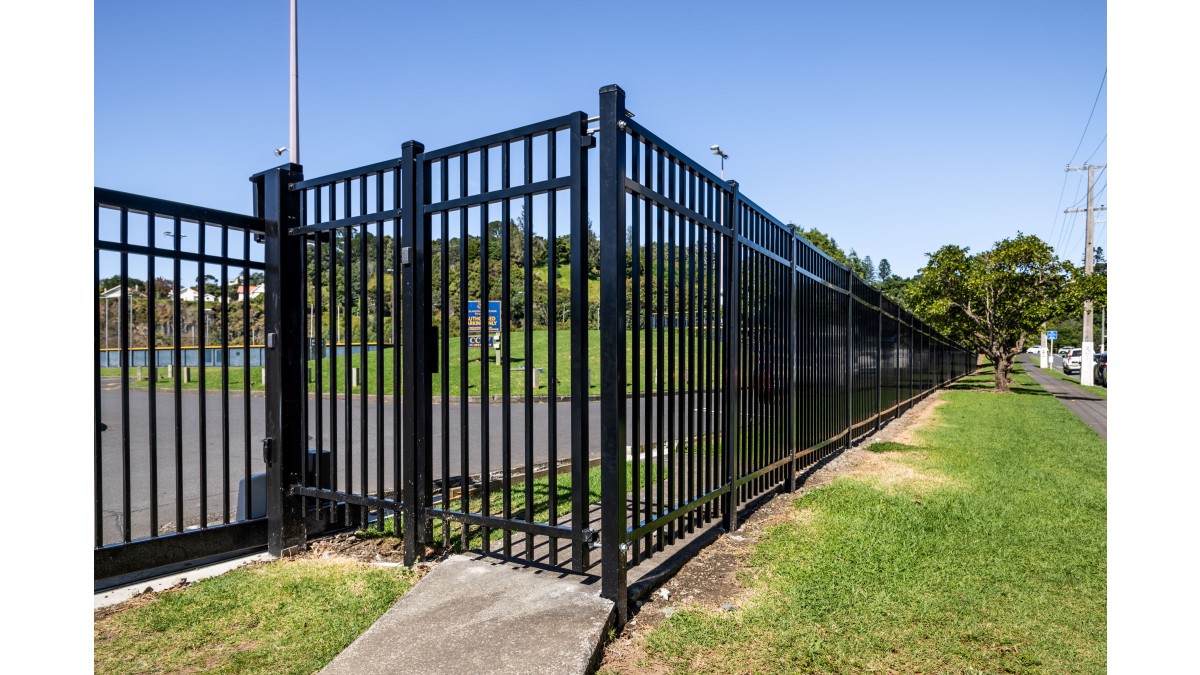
(267, 448)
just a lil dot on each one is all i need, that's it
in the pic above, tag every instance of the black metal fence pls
(732, 354)
(173, 443)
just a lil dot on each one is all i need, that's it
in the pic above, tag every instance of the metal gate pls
(415, 426)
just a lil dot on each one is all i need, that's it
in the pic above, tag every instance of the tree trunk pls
(1004, 366)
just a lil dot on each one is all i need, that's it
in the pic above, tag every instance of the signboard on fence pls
(475, 341)
(475, 316)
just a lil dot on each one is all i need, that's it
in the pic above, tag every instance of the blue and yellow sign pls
(475, 317)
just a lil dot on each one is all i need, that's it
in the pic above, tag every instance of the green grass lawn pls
(992, 559)
(286, 616)
(541, 358)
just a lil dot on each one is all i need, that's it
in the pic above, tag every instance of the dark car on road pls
(1100, 370)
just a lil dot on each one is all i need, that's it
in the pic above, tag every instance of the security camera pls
(280, 151)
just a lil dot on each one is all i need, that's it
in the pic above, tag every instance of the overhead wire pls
(1058, 209)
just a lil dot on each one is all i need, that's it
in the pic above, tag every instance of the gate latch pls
(267, 450)
(406, 255)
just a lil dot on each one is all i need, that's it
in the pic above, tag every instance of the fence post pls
(613, 487)
(879, 361)
(286, 441)
(789, 362)
(417, 395)
(849, 357)
(733, 336)
(580, 375)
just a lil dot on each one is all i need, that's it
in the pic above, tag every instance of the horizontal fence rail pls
(173, 444)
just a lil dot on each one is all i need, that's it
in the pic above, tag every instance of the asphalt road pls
(245, 450)
(1089, 407)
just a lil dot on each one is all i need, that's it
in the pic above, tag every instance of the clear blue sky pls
(894, 127)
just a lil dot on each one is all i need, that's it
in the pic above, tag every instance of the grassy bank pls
(983, 548)
(288, 616)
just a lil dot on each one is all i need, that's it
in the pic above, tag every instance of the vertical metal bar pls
(364, 387)
(347, 352)
(319, 332)
(152, 365)
(671, 330)
(123, 320)
(400, 520)
(202, 359)
(177, 364)
(379, 354)
(331, 478)
(650, 448)
(485, 267)
(224, 375)
(98, 453)
(246, 370)
(614, 528)
(552, 337)
(280, 208)
(464, 369)
(418, 414)
(731, 291)
(689, 377)
(506, 346)
(661, 441)
(527, 322)
(636, 372)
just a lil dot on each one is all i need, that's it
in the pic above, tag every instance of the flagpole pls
(294, 95)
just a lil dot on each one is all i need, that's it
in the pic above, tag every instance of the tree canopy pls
(992, 300)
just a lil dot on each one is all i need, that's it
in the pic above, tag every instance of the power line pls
(1102, 140)
(1089, 120)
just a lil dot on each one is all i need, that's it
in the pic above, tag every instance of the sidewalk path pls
(1090, 408)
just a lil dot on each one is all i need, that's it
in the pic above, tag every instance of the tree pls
(885, 269)
(826, 243)
(993, 300)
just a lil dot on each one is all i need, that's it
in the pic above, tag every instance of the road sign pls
(475, 316)
(1052, 335)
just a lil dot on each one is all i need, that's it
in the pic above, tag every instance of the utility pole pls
(1044, 355)
(1089, 346)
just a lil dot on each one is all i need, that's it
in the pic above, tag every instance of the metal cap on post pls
(285, 441)
(613, 487)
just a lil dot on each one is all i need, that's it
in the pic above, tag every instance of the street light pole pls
(716, 150)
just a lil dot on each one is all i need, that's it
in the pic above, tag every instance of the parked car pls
(1036, 349)
(1100, 370)
(1064, 351)
(1073, 361)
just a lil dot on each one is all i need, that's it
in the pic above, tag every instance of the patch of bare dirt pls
(718, 580)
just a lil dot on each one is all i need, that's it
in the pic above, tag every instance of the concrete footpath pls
(480, 615)
(1090, 408)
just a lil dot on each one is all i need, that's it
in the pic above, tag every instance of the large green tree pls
(992, 300)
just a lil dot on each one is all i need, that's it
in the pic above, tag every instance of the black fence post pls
(417, 397)
(792, 343)
(613, 487)
(580, 502)
(879, 362)
(285, 445)
(849, 357)
(733, 336)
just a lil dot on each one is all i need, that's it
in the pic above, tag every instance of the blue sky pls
(894, 127)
